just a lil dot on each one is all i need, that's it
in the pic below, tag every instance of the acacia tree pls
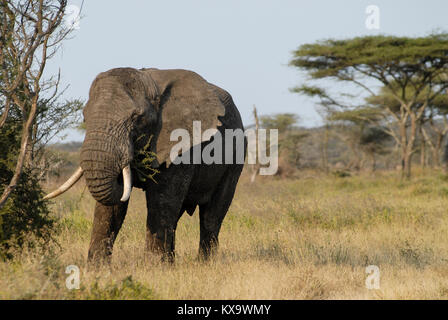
(361, 131)
(437, 120)
(366, 63)
(283, 122)
(290, 136)
(31, 32)
(432, 125)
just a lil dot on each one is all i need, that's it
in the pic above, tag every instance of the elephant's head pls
(127, 104)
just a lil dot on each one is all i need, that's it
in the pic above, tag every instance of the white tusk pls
(127, 184)
(67, 185)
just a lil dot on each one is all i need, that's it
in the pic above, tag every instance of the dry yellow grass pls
(309, 238)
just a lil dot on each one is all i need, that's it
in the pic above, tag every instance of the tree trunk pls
(436, 150)
(372, 155)
(407, 145)
(406, 168)
(256, 166)
(21, 160)
(404, 162)
(422, 154)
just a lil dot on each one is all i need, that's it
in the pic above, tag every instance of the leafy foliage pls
(142, 162)
(363, 129)
(280, 121)
(289, 136)
(127, 289)
(376, 56)
(25, 219)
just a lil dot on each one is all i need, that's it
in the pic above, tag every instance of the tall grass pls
(309, 238)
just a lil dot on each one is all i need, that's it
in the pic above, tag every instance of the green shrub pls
(128, 289)
(25, 219)
(76, 222)
(341, 174)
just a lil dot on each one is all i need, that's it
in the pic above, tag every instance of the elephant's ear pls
(184, 97)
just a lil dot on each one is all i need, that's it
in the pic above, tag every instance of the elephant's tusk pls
(67, 185)
(127, 184)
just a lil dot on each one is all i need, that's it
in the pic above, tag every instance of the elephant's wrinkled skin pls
(124, 105)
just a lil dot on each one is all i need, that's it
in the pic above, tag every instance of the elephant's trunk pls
(105, 160)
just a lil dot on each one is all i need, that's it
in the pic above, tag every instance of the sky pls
(243, 46)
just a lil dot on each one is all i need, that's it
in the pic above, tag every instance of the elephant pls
(131, 109)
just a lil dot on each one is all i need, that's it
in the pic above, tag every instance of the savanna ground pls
(307, 238)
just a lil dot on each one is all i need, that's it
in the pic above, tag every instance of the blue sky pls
(243, 46)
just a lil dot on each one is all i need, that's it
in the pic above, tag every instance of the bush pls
(127, 289)
(25, 219)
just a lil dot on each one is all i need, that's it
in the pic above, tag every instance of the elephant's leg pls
(106, 225)
(164, 203)
(212, 213)
(161, 240)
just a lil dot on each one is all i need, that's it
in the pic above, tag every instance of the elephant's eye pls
(140, 121)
